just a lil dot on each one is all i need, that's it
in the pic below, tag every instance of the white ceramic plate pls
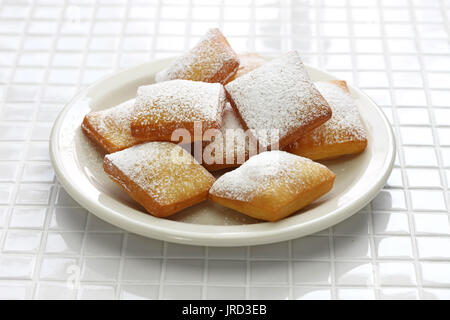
(78, 166)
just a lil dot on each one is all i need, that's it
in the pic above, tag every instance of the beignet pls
(248, 62)
(278, 97)
(272, 185)
(110, 128)
(211, 60)
(343, 134)
(162, 108)
(232, 148)
(161, 176)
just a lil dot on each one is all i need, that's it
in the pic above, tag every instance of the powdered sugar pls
(263, 172)
(248, 62)
(113, 124)
(118, 117)
(278, 95)
(231, 122)
(345, 123)
(232, 143)
(204, 62)
(162, 169)
(179, 101)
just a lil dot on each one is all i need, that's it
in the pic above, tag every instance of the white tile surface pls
(396, 247)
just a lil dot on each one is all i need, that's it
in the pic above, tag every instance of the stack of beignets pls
(242, 110)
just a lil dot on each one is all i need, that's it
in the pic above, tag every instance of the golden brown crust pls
(279, 95)
(164, 107)
(174, 202)
(234, 152)
(102, 141)
(272, 185)
(211, 60)
(309, 149)
(227, 71)
(248, 62)
(263, 209)
(143, 198)
(109, 129)
(164, 131)
(321, 144)
(294, 135)
(342, 84)
(93, 135)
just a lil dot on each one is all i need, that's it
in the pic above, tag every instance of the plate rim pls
(211, 238)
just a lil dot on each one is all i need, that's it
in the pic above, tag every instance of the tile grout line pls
(125, 234)
(164, 243)
(445, 181)
(37, 256)
(330, 235)
(252, 31)
(40, 256)
(430, 108)
(37, 102)
(407, 194)
(20, 167)
(248, 274)
(291, 284)
(78, 87)
(332, 261)
(156, 30)
(320, 49)
(286, 45)
(163, 271)
(205, 272)
(371, 239)
(239, 285)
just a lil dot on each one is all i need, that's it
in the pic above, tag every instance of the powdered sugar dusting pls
(345, 123)
(233, 140)
(203, 62)
(164, 170)
(118, 116)
(114, 124)
(265, 171)
(248, 62)
(179, 101)
(278, 95)
(232, 122)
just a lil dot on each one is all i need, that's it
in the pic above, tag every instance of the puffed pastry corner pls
(272, 185)
(211, 60)
(110, 128)
(161, 176)
(343, 134)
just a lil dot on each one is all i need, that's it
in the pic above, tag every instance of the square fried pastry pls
(278, 97)
(232, 147)
(343, 134)
(248, 62)
(272, 185)
(161, 176)
(161, 108)
(110, 128)
(211, 60)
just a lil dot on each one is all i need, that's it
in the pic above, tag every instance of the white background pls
(397, 247)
